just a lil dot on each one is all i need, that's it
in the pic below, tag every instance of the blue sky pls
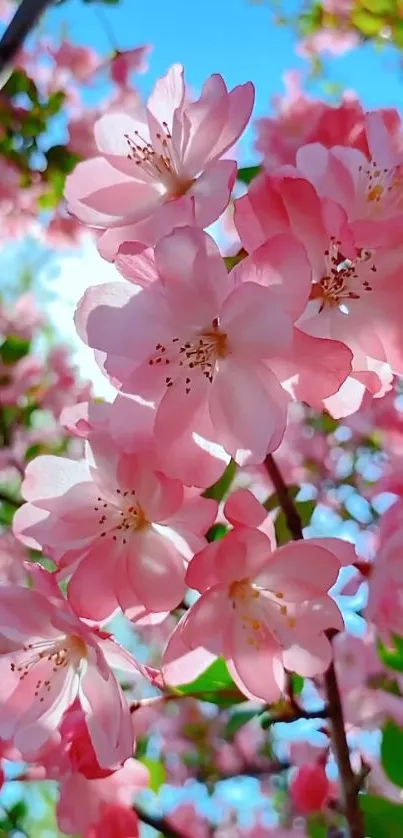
(236, 38)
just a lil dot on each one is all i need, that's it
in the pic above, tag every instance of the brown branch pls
(294, 714)
(291, 515)
(258, 771)
(159, 823)
(348, 780)
(25, 18)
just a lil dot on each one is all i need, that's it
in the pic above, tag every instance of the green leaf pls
(48, 201)
(7, 511)
(317, 828)
(238, 720)
(214, 685)
(397, 33)
(378, 7)
(220, 489)
(392, 753)
(13, 349)
(367, 24)
(305, 510)
(297, 682)
(59, 157)
(392, 656)
(55, 102)
(157, 773)
(382, 818)
(247, 174)
(216, 532)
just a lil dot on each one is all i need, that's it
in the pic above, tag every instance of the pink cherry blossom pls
(12, 557)
(299, 120)
(262, 611)
(124, 62)
(48, 659)
(117, 524)
(24, 318)
(153, 158)
(92, 807)
(210, 347)
(353, 298)
(80, 61)
(367, 186)
(310, 789)
(385, 593)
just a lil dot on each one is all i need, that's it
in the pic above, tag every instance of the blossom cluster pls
(160, 516)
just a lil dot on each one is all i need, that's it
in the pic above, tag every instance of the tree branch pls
(348, 780)
(294, 714)
(17, 30)
(291, 515)
(160, 824)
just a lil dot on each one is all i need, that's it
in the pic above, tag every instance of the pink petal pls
(300, 571)
(204, 123)
(256, 324)
(107, 717)
(243, 508)
(124, 203)
(80, 184)
(248, 410)
(256, 661)
(310, 658)
(202, 571)
(156, 571)
(281, 264)
(211, 191)
(197, 283)
(96, 573)
(168, 95)
(343, 550)
(182, 664)
(332, 360)
(136, 263)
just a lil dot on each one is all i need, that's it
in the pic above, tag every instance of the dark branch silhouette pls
(20, 26)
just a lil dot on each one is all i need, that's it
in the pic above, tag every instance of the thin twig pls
(23, 21)
(293, 715)
(287, 505)
(348, 780)
(160, 824)
(259, 771)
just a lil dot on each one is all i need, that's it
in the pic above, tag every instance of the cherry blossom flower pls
(385, 589)
(353, 297)
(154, 157)
(49, 657)
(205, 345)
(262, 611)
(299, 120)
(119, 515)
(80, 61)
(91, 807)
(124, 62)
(310, 789)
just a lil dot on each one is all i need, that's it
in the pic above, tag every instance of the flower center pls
(381, 185)
(158, 160)
(59, 654)
(132, 517)
(194, 356)
(241, 590)
(341, 281)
